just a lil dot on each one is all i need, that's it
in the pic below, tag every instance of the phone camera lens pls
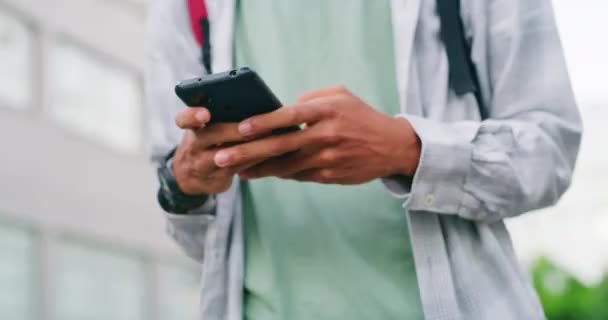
(233, 73)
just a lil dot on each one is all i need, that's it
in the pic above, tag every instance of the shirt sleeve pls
(172, 55)
(522, 157)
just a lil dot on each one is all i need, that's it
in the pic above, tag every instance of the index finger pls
(192, 117)
(282, 118)
(263, 149)
(323, 92)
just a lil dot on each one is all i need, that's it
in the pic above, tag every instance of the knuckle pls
(328, 157)
(329, 108)
(331, 134)
(292, 114)
(278, 147)
(326, 175)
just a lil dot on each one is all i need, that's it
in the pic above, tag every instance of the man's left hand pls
(345, 141)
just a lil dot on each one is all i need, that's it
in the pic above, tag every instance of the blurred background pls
(81, 236)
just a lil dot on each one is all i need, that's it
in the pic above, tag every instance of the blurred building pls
(81, 236)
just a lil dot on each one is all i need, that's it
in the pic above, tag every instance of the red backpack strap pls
(200, 29)
(197, 11)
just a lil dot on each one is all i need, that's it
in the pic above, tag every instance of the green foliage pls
(565, 298)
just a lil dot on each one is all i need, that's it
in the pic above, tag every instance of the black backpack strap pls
(206, 46)
(462, 74)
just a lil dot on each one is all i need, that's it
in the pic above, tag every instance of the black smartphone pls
(230, 96)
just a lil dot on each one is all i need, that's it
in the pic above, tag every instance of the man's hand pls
(345, 141)
(193, 165)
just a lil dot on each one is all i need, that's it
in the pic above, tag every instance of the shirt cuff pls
(207, 208)
(438, 183)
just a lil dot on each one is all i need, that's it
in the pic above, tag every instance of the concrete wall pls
(65, 183)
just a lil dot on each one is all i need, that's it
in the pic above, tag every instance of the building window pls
(16, 57)
(97, 284)
(16, 273)
(179, 290)
(94, 98)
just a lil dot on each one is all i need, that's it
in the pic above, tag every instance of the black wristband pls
(170, 197)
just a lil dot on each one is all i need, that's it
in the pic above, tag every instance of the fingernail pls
(200, 116)
(222, 159)
(245, 128)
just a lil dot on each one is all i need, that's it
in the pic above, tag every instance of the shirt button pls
(429, 200)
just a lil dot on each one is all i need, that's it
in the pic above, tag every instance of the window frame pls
(104, 59)
(33, 235)
(97, 245)
(35, 71)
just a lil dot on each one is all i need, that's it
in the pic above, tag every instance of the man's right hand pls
(193, 163)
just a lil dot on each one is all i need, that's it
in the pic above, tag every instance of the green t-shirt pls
(317, 251)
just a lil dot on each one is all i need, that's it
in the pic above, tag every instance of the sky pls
(574, 234)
